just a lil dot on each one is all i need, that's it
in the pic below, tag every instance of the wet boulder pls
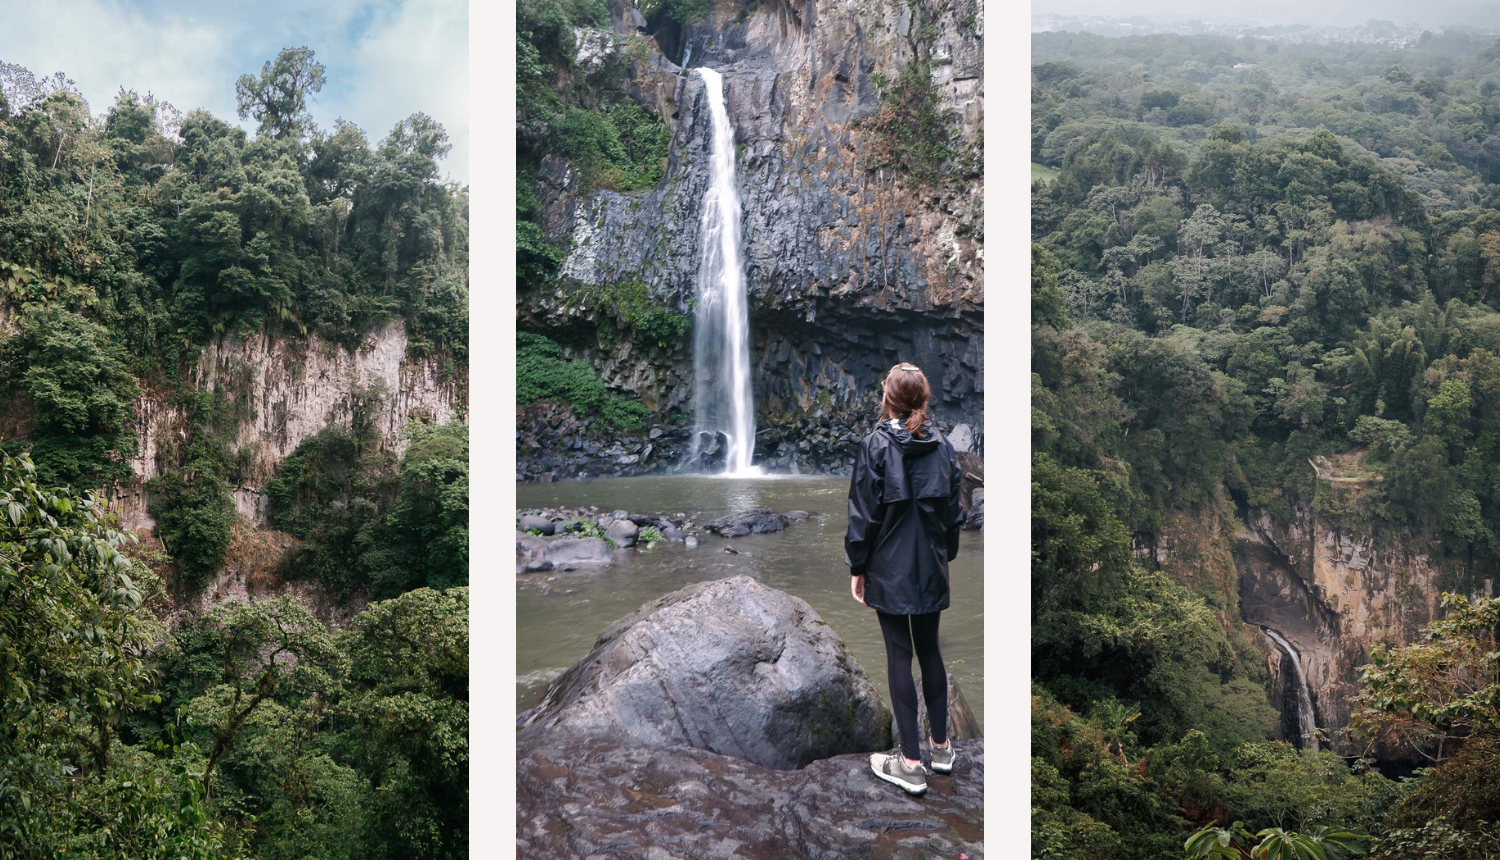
(534, 523)
(730, 666)
(757, 521)
(622, 532)
(578, 550)
(531, 553)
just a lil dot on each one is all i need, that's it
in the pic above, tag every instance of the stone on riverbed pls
(757, 521)
(578, 550)
(579, 797)
(622, 532)
(530, 553)
(729, 666)
(531, 522)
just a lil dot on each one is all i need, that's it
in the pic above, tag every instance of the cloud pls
(385, 59)
(413, 58)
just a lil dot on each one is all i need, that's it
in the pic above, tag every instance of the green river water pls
(559, 614)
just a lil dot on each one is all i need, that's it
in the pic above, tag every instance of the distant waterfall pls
(1306, 724)
(721, 339)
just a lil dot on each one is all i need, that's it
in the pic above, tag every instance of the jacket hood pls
(911, 447)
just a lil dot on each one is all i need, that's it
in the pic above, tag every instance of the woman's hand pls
(857, 587)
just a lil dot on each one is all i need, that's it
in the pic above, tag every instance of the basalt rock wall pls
(850, 267)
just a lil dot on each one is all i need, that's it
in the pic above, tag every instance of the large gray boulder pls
(728, 666)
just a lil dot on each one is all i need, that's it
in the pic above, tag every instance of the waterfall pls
(721, 337)
(1306, 725)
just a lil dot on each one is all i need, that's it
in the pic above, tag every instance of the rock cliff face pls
(1334, 590)
(850, 268)
(1335, 593)
(283, 392)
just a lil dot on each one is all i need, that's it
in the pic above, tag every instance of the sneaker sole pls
(941, 768)
(905, 786)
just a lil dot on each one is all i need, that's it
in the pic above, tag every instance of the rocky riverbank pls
(553, 444)
(563, 538)
(727, 719)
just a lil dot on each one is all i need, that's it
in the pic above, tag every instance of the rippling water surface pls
(560, 614)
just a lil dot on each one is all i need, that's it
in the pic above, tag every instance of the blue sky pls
(385, 59)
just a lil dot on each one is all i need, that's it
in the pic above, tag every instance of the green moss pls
(543, 372)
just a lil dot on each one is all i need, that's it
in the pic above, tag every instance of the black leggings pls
(903, 635)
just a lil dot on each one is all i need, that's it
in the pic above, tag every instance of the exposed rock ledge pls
(599, 798)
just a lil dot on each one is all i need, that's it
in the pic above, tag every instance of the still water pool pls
(560, 614)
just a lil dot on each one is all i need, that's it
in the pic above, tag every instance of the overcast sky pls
(1428, 13)
(384, 59)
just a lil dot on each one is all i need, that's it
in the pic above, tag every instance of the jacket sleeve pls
(864, 510)
(956, 515)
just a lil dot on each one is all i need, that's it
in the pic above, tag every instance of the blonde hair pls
(906, 392)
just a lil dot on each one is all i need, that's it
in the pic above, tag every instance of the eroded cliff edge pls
(1333, 582)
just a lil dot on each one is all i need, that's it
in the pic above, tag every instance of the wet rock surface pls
(591, 797)
(757, 521)
(730, 666)
(563, 538)
(554, 444)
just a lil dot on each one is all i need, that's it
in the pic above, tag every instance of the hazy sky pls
(385, 59)
(1429, 13)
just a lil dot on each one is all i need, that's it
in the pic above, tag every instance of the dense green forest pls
(132, 727)
(1247, 256)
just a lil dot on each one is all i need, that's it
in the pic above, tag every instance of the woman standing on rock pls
(904, 519)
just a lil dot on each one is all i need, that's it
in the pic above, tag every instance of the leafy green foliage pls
(544, 373)
(1257, 291)
(178, 227)
(912, 132)
(370, 522)
(194, 511)
(343, 745)
(81, 390)
(73, 635)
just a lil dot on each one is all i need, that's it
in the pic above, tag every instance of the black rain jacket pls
(904, 519)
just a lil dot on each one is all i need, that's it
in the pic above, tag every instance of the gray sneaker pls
(943, 757)
(890, 767)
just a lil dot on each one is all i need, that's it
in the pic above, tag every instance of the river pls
(559, 615)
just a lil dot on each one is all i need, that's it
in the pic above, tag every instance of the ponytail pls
(915, 420)
(906, 393)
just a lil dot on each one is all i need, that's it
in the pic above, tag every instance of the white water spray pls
(1306, 725)
(721, 340)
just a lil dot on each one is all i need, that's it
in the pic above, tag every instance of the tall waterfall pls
(721, 340)
(1306, 725)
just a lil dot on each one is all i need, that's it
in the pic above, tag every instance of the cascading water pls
(721, 339)
(1306, 725)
